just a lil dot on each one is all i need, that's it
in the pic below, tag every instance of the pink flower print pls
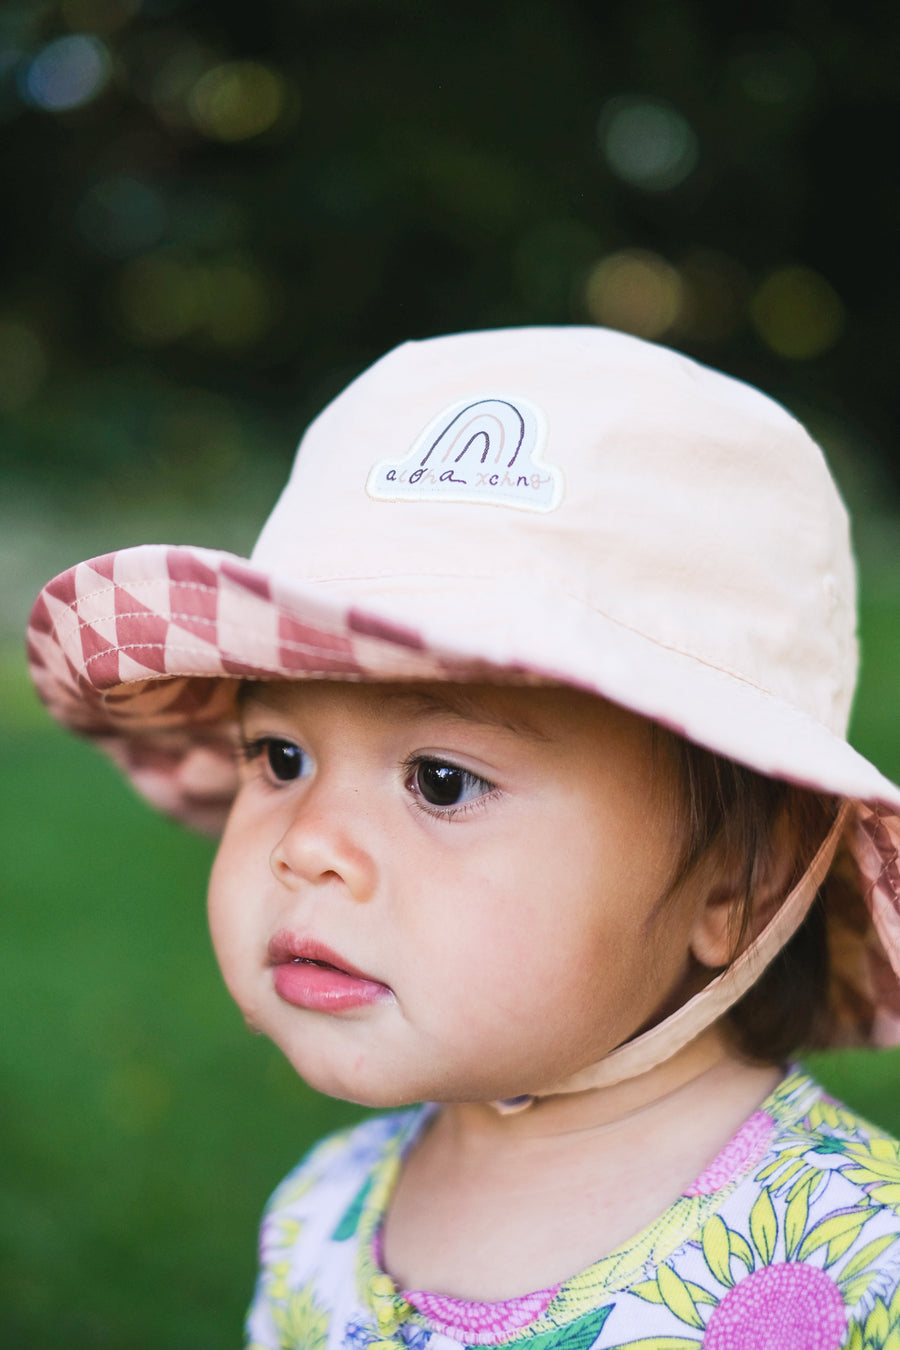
(746, 1148)
(783, 1307)
(481, 1323)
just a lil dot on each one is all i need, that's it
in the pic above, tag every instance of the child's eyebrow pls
(458, 705)
(464, 708)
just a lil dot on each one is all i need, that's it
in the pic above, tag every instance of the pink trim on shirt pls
(480, 1323)
(473, 1323)
(747, 1147)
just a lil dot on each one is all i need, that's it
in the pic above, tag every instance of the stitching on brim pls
(211, 623)
(299, 647)
(142, 614)
(146, 581)
(592, 609)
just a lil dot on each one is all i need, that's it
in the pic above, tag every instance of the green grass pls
(142, 1126)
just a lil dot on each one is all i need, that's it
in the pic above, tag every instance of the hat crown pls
(580, 465)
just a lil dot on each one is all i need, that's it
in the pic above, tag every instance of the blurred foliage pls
(222, 211)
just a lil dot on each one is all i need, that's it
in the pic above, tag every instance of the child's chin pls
(385, 1092)
(363, 1094)
(334, 1080)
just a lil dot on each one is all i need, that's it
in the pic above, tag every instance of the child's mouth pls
(308, 975)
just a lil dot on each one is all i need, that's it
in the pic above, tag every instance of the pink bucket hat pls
(559, 504)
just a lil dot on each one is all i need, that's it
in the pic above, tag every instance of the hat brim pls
(132, 648)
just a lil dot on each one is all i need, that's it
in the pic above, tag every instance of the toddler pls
(525, 729)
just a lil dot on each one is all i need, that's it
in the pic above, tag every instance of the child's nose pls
(323, 845)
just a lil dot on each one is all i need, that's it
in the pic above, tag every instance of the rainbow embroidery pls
(487, 450)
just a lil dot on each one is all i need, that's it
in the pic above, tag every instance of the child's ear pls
(717, 936)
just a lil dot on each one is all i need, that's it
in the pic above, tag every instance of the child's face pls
(448, 892)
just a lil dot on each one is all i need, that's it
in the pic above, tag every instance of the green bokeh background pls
(430, 168)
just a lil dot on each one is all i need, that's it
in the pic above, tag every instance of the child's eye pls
(285, 760)
(446, 785)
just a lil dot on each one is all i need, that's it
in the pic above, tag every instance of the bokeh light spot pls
(121, 216)
(797, 313)
(635, 291)
(236, 100)
(23, 364)
(67, 73)
(647, 143)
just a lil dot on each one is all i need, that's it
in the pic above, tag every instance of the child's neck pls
(490, 1207)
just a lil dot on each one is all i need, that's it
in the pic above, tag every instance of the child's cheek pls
(230, 909)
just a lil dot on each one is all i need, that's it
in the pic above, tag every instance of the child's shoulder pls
(799, 1226)
(804, 1113)
(793, 1231)
(310, 1235)
(344, 1161)
(818, 1162)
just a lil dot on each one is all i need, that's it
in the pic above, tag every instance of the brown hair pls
(743, 813)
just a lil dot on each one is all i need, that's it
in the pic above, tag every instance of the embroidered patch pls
(476, 450)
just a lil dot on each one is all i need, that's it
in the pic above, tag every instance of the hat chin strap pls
(665, 1039)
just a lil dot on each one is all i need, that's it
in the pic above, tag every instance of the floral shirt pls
(790, 1240)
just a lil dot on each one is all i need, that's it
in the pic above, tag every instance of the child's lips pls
(307, 974)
